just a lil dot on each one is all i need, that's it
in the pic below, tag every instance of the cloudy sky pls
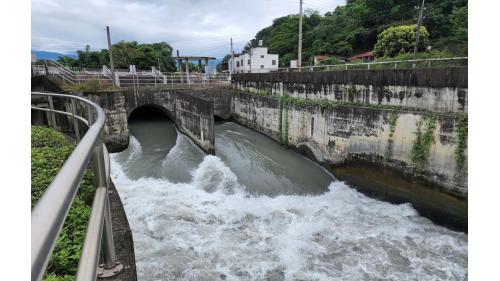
(194, 27)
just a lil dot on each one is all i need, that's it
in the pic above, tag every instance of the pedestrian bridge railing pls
(49, 214)
(126, 78)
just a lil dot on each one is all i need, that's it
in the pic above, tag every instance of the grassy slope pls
(49, 150)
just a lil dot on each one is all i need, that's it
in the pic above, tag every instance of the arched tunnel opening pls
(153, 128)
(149, 113)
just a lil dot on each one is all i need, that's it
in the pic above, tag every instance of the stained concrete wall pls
(433, 89)
(335, 135)
(194, 116)
(114, 104)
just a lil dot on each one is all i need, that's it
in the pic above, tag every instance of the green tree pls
(354, 27)
(400, 39)
(143, 56)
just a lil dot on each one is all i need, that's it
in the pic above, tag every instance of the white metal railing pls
(50, 212)
(124, 78)
(396, 64)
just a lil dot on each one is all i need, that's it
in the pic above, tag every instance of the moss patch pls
(392, 119)
(462, 134)
(424, 140)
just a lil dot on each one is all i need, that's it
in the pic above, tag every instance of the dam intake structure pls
(399, 136)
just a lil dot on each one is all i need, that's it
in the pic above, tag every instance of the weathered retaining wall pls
(184, 109)
(335, 135)
(114, 104)
(432, 89)
(194, 117)
(221, 97)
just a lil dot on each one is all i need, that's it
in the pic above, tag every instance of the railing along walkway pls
(49, 214)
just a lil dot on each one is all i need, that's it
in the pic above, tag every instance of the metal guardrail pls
(396, 64)
(49, 214)
(125, 78)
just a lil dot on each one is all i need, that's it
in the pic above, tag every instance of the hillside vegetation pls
(354, 27)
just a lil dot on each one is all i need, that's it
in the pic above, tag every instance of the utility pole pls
(232, 57)
(299, 59)
(419, 23)
(250, 58)
(111, 57)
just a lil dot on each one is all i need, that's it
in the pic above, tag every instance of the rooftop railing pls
(49, 214)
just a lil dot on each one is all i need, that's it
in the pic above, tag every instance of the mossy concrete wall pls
(433, 89)
(336, 135)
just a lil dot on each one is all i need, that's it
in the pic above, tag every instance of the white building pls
(255, 61)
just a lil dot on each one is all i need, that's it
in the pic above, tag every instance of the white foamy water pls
(212, 229)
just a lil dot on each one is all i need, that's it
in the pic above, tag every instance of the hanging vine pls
(424, 140)
(462, 133)
(393, 117)
(285, 125)
(280, 122)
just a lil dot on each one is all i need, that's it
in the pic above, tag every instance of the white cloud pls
(200, 27)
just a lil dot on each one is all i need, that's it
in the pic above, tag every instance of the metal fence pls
(123, 78)
(49, 214)
(396, 64)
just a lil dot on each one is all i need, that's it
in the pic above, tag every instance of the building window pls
(248, 61)
(261, 56)
(261, 66)
(274, 62)
(241, 62)
(237, 64)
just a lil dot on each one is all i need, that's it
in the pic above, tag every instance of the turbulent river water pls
(257, 211)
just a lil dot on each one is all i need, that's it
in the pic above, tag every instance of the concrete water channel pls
(258, 211)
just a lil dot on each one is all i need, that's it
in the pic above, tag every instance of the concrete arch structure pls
(158, 108)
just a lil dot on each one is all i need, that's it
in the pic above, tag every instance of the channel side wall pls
(194, 117)
(336, 135)
(434, 89)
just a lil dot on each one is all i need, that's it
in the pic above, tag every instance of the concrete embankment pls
(408, 149)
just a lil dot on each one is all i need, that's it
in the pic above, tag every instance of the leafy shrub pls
(400, 39)
(49, 150)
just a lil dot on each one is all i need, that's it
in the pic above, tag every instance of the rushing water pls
(257, 211)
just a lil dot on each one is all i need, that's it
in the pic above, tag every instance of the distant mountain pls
(214, 63)
(51, 55)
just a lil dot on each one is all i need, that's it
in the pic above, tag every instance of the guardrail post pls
(52, 117)
(76, 128)
(110, 266)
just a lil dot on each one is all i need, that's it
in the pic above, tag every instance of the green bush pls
(400, 39)
(49, 150)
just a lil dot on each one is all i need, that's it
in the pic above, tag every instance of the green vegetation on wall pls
(49, 150)
(423, 141)
(392, 119)
(285, 126)
(462, 133)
